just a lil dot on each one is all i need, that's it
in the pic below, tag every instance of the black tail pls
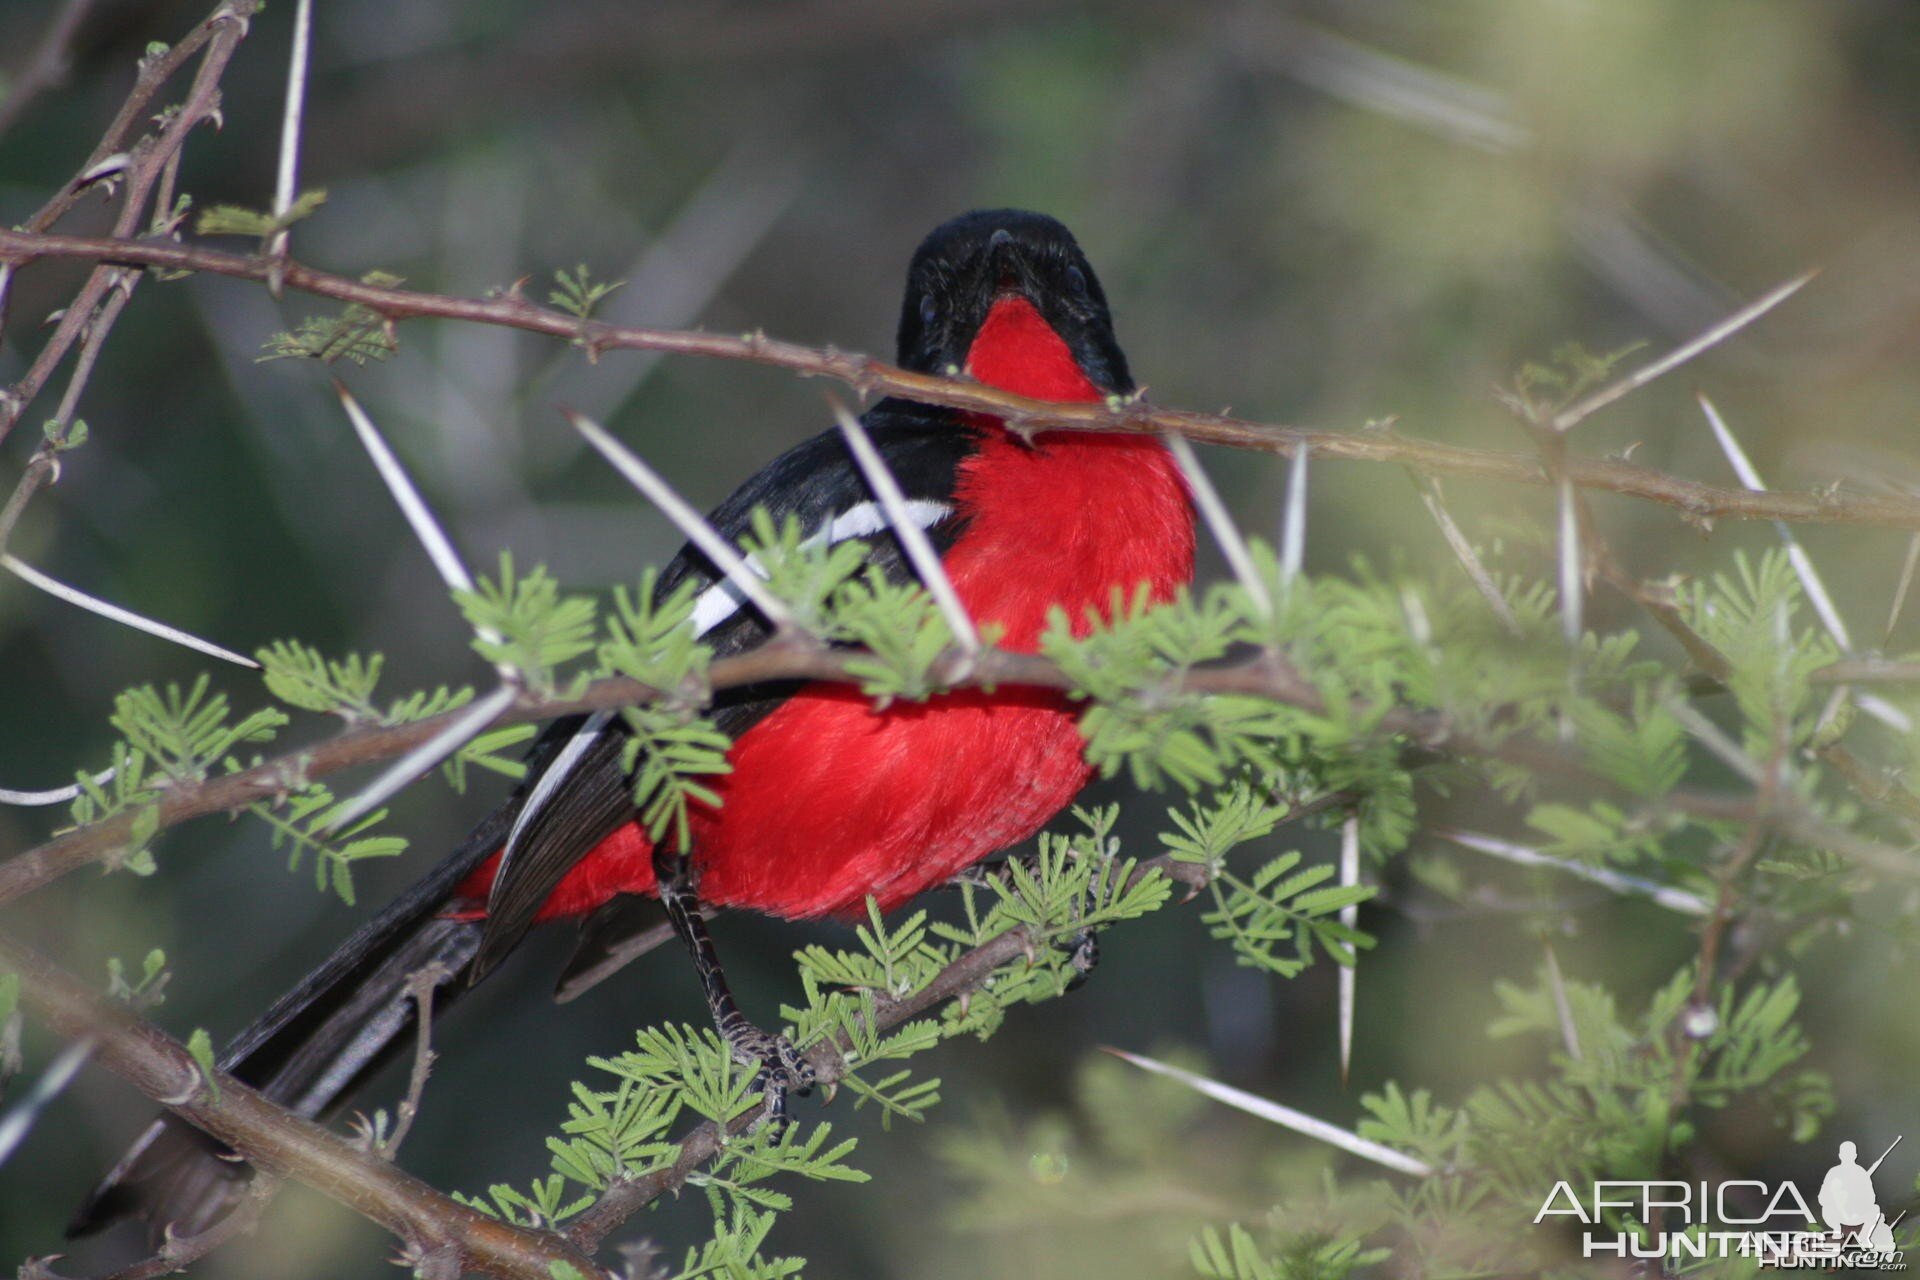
(317, 1045)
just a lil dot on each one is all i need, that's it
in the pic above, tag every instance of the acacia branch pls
(276, 1140)
(800, 658)
(1695, 500)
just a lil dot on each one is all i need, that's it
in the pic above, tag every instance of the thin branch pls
(866, 375)
(913, 539)
(798, 657)
(146, 166)
(1286, 1117)
(1573, 416)
(126, 617)
(688, 520)
(178, 1252)
(421, 988)
(275, 1140)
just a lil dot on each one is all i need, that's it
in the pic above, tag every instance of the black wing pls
(584, 794)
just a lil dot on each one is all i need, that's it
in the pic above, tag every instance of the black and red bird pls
(829, 801)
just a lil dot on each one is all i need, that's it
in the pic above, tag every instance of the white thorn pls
(1717, 743)
(288, 174)
(126, 617)
(690, 522)
(1802, 564)
(17, 1123)
(1900, 593)
(1563, 1007)
(1463, 551)
(1293, 536)
(417, 762)
(1286, 1117)
(439, 547)
(1572, 599)
(1219, 522)
(1521, 855)
(58, 795)
(913, 539)
(1350, 917)
(1681, 354)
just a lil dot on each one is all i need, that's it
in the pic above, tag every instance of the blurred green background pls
(1318, 214)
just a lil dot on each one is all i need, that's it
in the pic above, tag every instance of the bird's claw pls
(783, 1070)
(1083, 955)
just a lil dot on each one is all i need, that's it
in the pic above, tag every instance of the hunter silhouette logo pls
(1772, 1224)
(1848, 1205)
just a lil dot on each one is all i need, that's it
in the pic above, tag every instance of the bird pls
(830, 801)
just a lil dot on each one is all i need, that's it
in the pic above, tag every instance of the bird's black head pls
(977, 260)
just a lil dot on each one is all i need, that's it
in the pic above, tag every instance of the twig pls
(274, 1139)
(1695, 500)
(421, 987)
(799, 658)
(1574, 415)
(180, 1252)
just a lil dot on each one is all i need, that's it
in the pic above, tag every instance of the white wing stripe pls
(723, 599)
(551, 778)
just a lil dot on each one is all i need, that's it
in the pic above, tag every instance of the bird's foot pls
(783, 1071)
(1083, 954)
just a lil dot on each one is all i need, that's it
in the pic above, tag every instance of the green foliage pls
(1365, 663)
(524, 623)
(200, 1048)
(358, 334)
(579, 293)
(64, 437)
(236, 220)
(146, 991)
(305, 823)
(1282, 904)
(1237, 1256)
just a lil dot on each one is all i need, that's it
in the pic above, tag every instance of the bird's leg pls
(782, 1069)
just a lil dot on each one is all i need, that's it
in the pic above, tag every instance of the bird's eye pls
(928, 308)
(1076, 282)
